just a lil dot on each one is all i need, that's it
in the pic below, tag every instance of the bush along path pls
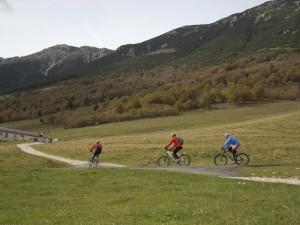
(223, 172)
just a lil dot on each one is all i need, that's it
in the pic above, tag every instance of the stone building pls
(7, 134)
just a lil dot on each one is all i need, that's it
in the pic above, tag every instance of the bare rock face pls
(90, 54)
(59, 55)
(54, 63)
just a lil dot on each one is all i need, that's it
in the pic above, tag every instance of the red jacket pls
(175, 142)
(96, 147)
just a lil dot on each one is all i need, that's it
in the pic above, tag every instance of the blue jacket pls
(231, 140)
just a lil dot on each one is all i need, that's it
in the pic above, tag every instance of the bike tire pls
(91, 162)
(242, 159)
(220, 160)
(96, 162)
(163, 161)
(185, 160)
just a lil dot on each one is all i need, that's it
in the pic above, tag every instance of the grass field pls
(37, 191)
(269, 133)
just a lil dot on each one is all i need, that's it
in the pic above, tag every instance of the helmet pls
(173, 134)
(98, 141)
(227, 135)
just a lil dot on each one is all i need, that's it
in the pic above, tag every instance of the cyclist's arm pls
(226, 144)
(171, 142)
(92, 148)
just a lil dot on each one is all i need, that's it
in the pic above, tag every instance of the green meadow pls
(269, 133)
(38, 191)
(35, 190)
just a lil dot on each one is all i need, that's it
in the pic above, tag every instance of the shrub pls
(153, 98)
(95, 107)
(206, 101)
(294, 76)
(187, 105)
(134, 103)
(238, 95)
(120, 108)
(188, 94)
(168, 98)
(258, 92)
(230, 67)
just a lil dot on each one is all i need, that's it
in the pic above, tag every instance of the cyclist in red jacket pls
(96, 149)
(177, 146)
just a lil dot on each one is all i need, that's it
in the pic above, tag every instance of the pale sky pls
(28, 26)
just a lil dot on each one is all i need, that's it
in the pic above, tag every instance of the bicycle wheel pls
(220, 160)
(163, 161)
(96, 161)
(242, 159)
(91, 162)
(185, 160)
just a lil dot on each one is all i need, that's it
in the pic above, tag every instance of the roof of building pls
(8, 130)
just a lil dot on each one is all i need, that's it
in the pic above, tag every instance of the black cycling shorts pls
(97, 152)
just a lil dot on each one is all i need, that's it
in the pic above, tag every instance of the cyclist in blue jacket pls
(232, 144)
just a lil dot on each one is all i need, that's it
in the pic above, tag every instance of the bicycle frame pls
(95, 161)
(228, 154)
(168, 157)
(169, 154)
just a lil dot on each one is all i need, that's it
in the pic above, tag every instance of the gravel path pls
(294, 181)
(224, 172)
(28, 149)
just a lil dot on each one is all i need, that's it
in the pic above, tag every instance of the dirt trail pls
(28, 149)
(293, 181)
(224, 172)
(212, 171)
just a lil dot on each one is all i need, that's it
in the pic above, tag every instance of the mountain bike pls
(168, 157)
(221, 159)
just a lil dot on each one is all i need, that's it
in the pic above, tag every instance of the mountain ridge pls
(247, 57)
(34, 69)
(273, 24)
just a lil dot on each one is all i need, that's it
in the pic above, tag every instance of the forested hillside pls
(267, 75)
(248, 57)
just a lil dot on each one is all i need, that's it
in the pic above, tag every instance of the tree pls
(206, 101)
(168, 98)
(71, 105)
(258, 92)
(238, 95)
(95, 107)
(134, 103)
(39, 114)
(120, 108)
(86, 101)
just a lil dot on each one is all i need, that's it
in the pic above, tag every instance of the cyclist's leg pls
(171, 150)
(175, 152)
(233, 150)
(93, 158)
(97, 153)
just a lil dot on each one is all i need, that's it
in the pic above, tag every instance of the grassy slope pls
(38, 191)
(268, 134)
